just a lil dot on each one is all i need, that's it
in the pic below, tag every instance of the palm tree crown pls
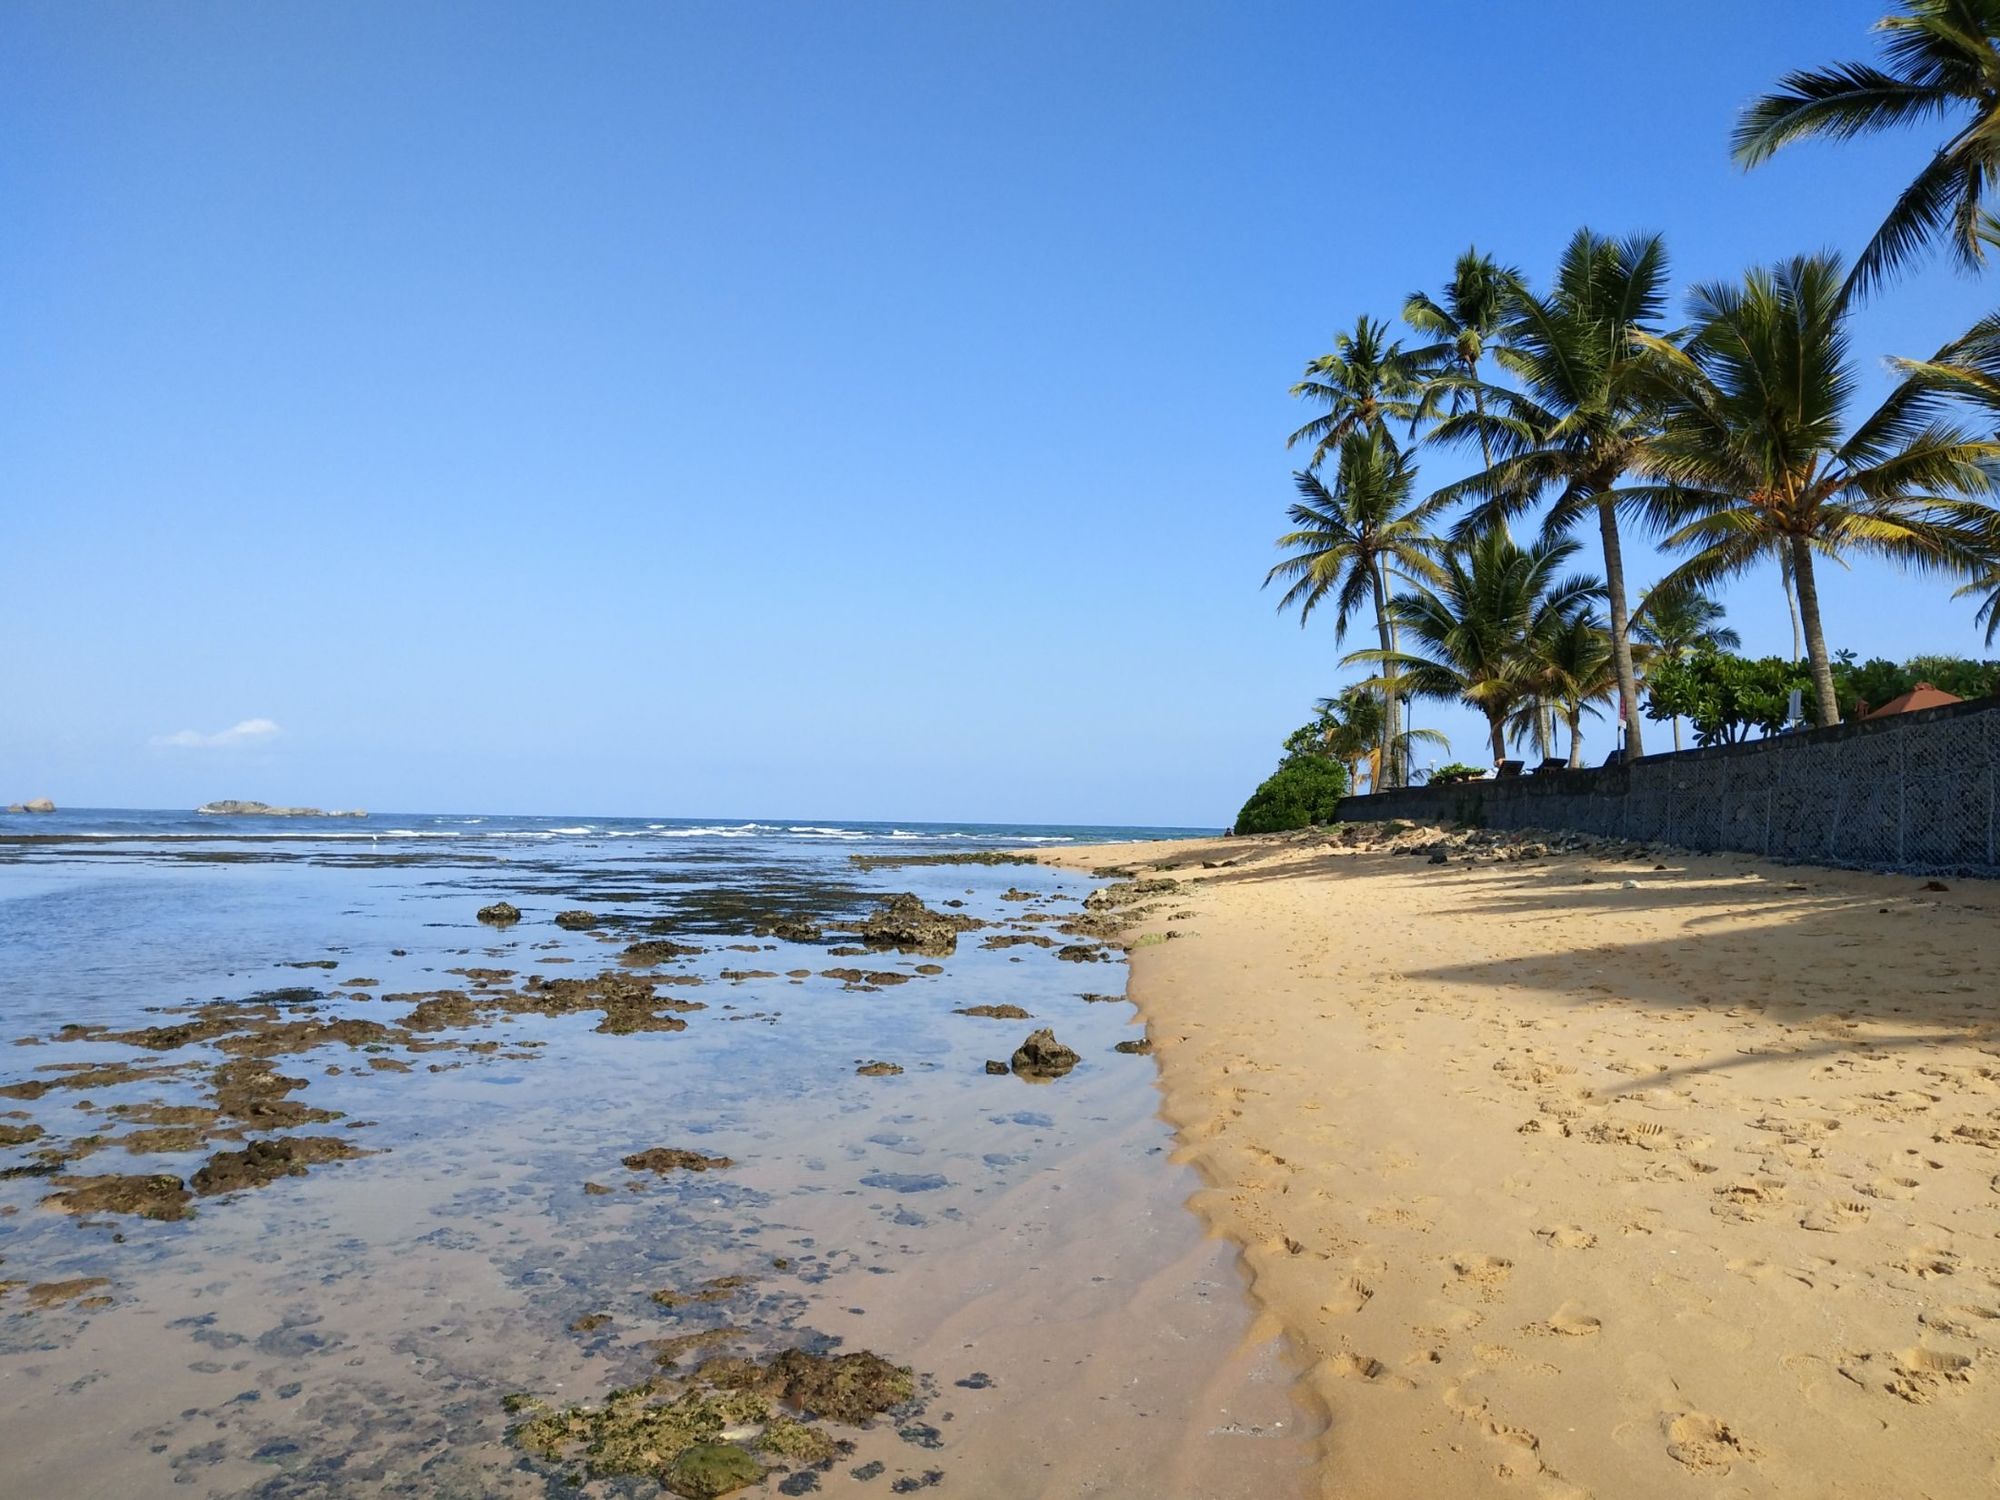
(1367, 382)
(1346, 540)
(1464, 324)
(1754, 455)
(1940, 62)
(1474, 619)
(1585, 407)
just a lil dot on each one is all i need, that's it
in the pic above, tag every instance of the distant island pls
(33, 805)
(265, 810)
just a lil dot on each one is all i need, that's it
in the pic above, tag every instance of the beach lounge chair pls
(1508, 768)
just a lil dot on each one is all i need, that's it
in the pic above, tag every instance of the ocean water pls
(357, 1328)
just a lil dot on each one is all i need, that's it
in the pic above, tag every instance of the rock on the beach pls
(1042, 1056)
(709, 1470)
(675, 1159)
(576, 921)
(33, 805)
(994, 1065)
(500, 913)
(234, 809)
(904, 922)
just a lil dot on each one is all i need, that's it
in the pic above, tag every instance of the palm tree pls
(1675, 622)
(1940, 61)
(1571, 671)
(1476, 620)
(1968, 369)
(1463, 325)
(1585, 408)
(1367, 382)
(1753, 455)
(1351, 731)
(1345, 541)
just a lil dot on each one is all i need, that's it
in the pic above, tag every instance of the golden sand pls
(1578, 1176)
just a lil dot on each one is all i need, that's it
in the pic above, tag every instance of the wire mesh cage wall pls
(1917, 792)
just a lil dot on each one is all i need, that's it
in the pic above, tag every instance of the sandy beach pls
(1618, 1173)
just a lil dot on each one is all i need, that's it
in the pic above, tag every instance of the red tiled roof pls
(1923, 695)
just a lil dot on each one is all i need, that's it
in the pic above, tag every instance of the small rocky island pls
(265, 810)
(33, 805)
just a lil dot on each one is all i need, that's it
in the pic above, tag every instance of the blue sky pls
(788, 409)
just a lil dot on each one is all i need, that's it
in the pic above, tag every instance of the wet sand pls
(1024, 1249)
(1619, 1173)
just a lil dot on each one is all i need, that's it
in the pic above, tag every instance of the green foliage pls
(1455, 771)
(1938, 61)
(1877, 680)
(1303, 791)
(1727, 696)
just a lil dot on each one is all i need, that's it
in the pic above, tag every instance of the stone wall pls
(1916, 792)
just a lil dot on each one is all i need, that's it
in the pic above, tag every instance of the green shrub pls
(1456, 770)
(1298, 794)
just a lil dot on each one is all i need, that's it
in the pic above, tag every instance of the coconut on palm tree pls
(1674, 622)
(1367, 382)
(1756, 453)
(1585, 407)
(1345, 542)
(1940, 64)
(1474, 624)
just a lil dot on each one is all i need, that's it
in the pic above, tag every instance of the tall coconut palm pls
(1474, 620)
(1755, 454)
(1464, 325)
(1345, 542)
(1367, 382)
(1585, 408)
(1673, 622)
(1940, 62)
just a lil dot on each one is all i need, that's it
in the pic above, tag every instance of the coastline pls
(1611, 1171)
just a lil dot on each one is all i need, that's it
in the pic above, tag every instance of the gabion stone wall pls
(1916, 793)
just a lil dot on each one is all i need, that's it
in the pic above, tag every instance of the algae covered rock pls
(500, 914)
(711, 1469)
(576, 921)
(674, 1159)
(150, 1197)
(905, 923)
(1042, 1056)
(264, 1162)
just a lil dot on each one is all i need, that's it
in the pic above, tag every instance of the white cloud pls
(249, 732)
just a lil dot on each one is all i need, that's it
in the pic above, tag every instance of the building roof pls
(1923, 695)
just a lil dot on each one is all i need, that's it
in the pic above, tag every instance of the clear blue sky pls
(793, 409)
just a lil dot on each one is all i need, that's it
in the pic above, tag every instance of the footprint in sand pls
(1837, 1216)
(1918, 1375)
(1487, 1272)
(1369, 1371)
(1566, 1237)
(1748, 1199)
(1965, 1321)
(1349, 1297)
(1570, 1321)
(1892, 1187)
(1704, 1443)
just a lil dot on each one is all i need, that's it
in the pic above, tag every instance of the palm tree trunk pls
(1485, 442)
(1499, 741)
(1386, 776)
(1575, 740)
(1822, 665)
(1621, 625)
(1677, 734)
